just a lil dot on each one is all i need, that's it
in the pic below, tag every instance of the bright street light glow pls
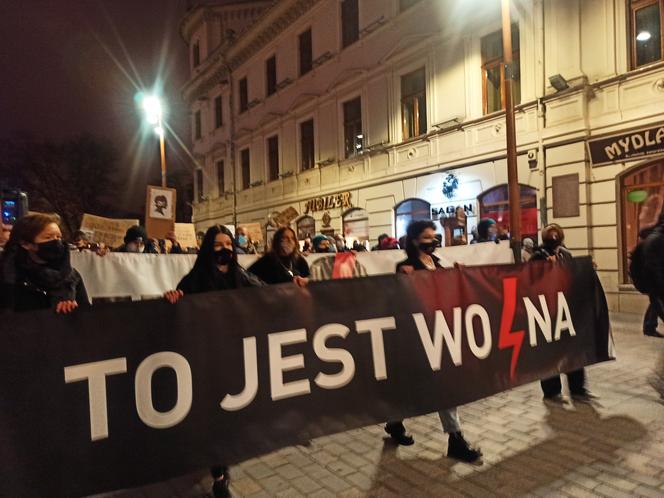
(152, 107)
(643, 36)
(159, 131)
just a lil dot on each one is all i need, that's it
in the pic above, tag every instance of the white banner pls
(144, 276)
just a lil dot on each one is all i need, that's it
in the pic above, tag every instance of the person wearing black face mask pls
(216, 268)
(283, 263)
(420, 246)
(35, 270)
(553, 249)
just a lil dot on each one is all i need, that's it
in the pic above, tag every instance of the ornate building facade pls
(357, 116)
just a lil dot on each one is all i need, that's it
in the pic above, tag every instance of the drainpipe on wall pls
(231, 142)
(541, 119)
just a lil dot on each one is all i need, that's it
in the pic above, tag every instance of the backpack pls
(642, 279)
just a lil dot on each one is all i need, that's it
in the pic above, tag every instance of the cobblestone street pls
(613, 449)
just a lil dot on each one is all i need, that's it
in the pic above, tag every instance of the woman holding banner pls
(284, 262)
(553, 249)
(216, 268)
(420, 246)
(35, 272)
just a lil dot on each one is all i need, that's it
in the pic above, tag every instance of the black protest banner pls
(131, 393)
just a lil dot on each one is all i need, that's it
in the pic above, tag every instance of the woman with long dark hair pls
(35, 272)
(420, 246)
(216, 268)
(284, 262)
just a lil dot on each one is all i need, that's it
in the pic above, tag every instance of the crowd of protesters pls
(35, 273)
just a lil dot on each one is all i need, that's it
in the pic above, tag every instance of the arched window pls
(410, 210)
(356, 225)
(494, 203)
(642, 201)
(306, 227)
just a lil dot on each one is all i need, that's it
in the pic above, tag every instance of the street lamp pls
(154, 115)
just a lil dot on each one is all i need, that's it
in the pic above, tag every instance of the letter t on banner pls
(95, 373)
(375, 327)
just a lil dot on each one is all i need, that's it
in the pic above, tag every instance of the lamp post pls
(154, 116)
(514, 196)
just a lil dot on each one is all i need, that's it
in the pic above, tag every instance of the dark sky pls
(58, 78)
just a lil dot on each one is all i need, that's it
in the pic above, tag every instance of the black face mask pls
(552, 243)
(427, 247)
(223, 256)
(51, 251)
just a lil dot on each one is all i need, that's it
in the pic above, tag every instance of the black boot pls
(398, 433)
(459, 449)
(221, 481)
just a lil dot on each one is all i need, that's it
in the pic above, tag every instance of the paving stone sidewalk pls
(614, 448)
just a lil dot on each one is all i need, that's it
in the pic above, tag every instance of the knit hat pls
(483, 227)
(316, 241)
(135, 232)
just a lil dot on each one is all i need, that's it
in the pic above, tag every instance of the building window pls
(355, 226)
(306, 227)
(218, 115)
(353, 137)
(199, 185)
(350, 22)
(307, 144)
(405, 4)
(408, 211)
(197, 125)
(647, 43)
(493, 71)
(414, 104)
(245, 164)
(244, 95)
(273, 158)
(271, 75)
(494, 204)
(220, 178)
(306, 52)
(196, 54)
(641, 194)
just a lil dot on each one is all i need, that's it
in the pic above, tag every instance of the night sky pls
(57, 80)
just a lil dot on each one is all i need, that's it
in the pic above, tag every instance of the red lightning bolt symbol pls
(507, 337)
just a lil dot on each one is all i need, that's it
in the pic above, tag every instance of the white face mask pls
(134, 247)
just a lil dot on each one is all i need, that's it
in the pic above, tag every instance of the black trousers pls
(655, 310)
(576, 380)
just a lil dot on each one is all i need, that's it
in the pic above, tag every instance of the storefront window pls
(494, 203)
(642, 199)
(356, 225)
(408, 211)
(306, 227)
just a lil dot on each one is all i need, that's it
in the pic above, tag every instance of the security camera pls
(532, 159)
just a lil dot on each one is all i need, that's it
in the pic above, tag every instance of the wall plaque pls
(566, 196)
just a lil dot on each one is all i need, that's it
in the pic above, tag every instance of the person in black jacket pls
(283, 263)
(35, 270)
(136, 240)
(648, 256)
(553, 249)
(215, 268)
(420, 246)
